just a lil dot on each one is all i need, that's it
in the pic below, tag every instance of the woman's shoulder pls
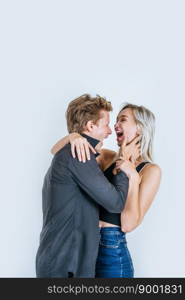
(151, 169)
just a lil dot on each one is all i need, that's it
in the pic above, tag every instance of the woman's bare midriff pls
(105, 224)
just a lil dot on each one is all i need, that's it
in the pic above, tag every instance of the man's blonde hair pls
(83, 109)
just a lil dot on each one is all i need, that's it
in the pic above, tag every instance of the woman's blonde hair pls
(145, 121)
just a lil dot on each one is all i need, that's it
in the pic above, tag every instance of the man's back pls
(68, 213)
(70, 235)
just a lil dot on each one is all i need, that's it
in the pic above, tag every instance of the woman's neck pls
(139, 161)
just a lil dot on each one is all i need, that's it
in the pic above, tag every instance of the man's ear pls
(90, 126)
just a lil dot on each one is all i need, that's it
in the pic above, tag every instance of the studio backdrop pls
(53, 51)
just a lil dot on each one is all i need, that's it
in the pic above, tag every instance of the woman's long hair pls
(145, 121)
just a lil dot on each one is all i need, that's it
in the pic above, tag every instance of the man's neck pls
(92, 140)
(97, 144)
(88, 133)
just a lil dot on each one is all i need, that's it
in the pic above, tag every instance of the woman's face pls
(125, 126)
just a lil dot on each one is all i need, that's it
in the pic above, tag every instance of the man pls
(72, 193)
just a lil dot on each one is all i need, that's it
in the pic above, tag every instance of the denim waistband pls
(111, 230)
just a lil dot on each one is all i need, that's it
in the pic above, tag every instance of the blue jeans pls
(113, 259)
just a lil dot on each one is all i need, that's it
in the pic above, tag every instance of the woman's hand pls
(130, 151)
(81, 145)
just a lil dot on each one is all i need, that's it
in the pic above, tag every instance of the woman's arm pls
(60, 144)
(82, 148)
(140, 197)
(78, 143)
(130, 216)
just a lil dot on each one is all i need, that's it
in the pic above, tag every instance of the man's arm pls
(92, 180)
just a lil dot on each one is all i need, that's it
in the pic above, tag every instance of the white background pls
(54, 51)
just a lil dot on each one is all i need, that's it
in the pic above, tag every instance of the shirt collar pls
(92, 141)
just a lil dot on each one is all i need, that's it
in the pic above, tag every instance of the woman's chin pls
(120, 140)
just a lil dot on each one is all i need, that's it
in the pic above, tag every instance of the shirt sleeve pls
(91, 179)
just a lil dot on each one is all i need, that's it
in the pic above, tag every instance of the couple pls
(91, 196)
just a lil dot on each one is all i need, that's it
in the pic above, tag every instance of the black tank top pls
(106, 216)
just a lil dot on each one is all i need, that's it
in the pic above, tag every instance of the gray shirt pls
(71, 195)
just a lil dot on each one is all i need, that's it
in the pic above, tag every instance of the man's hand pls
(130, 151)
(128, 167)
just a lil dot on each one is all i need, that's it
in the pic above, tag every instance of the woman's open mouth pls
(120, 136)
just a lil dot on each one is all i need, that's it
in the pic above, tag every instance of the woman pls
(135, 131)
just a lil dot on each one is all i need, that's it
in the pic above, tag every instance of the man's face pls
(101, 129)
